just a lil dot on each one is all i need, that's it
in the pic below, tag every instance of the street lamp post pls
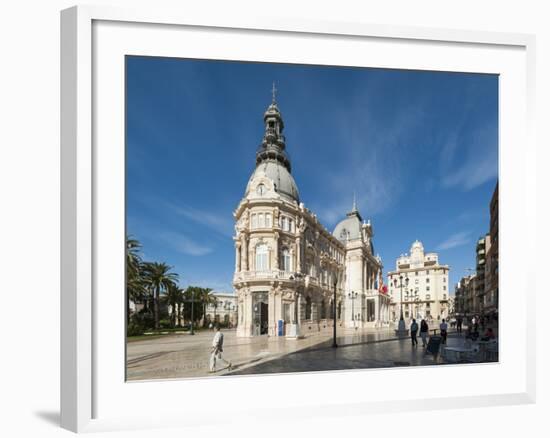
(334, 344)
(352, 296)
(401, 330)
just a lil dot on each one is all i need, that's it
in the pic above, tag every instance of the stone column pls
(298, 255)
(244, 253)
(276, 251)
(237, 257)
(272, 316)
(369, 273)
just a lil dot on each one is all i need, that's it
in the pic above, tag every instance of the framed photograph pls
(299, 216)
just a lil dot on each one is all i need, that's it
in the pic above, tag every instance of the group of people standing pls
(472, 331)
(424, 328)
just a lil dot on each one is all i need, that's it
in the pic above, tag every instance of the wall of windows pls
(261, 220)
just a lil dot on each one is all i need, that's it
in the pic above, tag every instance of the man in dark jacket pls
(414, 331)
(424, 332)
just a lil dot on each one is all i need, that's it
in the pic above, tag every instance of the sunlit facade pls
(288, 266)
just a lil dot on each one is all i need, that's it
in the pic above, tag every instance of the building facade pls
(478, 294)
(288, 267)
(419, 286)
(464, 291)
(222, 310)
(482, 246)
(491, 272)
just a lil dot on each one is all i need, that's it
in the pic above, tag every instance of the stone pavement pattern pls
(394, 353)
(180, 356)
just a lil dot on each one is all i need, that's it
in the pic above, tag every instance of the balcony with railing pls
(263, 275)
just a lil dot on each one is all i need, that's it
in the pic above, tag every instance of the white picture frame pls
(91, 391)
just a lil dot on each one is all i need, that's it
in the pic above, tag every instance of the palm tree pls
(207, 297)
(159, 279)
(174, 298)
(135, 284)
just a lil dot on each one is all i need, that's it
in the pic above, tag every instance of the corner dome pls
(348, 229)
(281, 177)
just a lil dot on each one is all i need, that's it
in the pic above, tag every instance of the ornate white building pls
(222, 309)
(288, 266)
(425, 285)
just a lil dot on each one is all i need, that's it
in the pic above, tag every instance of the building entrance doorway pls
(263, 319)
(260, 309)
(371, 312)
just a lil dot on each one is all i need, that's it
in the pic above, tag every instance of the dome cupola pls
(272, 160)
(273, 144)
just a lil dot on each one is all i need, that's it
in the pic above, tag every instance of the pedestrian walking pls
(424, 332)
(414, 331)
(459, 325)
(443, 330)
(217, 350)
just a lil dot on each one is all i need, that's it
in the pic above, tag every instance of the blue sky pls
(419, 149)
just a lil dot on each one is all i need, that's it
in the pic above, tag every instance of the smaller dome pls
(349, 228)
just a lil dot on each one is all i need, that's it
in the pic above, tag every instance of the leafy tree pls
(159, 279)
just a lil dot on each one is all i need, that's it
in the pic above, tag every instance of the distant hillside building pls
(426, 294)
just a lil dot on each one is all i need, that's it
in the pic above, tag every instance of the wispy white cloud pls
(375, 168)
(185, 244)
(467, 161)
(455, 240)
(222, 223)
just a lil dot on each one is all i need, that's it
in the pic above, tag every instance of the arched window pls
(308, 307)
(262, 263)
(287, 260)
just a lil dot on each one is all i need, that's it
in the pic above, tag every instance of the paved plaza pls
(184, 355)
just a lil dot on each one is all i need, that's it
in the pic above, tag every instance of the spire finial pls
(273, 92)
(354, 208)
